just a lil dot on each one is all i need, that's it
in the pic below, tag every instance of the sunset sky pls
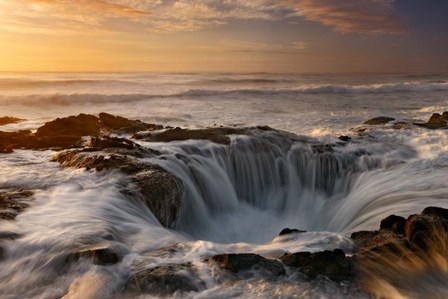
(224, 36)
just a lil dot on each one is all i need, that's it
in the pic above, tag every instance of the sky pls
(303, 36)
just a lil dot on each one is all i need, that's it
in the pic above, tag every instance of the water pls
(236, 198)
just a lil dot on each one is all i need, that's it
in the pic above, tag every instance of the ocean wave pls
(329, 89)
(14, 83)
(68, 99)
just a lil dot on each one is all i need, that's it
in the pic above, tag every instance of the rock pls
(162, 193)
(437, 121)
(394, 223)
(381, 120)
(287, 231)
(99, 143)
(12, 203)
(401, 125)
(9, 235)
(331, 264)
(120, 124)
(217, 134)
(423, 230)
(344, 138)
(11, 140)
(158, 189)
(98, 256)
(436, 211)
(165, 280)
(5, 120)
(74, 126)
(247, 261)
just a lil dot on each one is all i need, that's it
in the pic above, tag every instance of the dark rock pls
(344, 138)
(74, 126)
(111, 142)
(322, 148)
(120, 124)
(158, 189)
(422, 231)
(165, 280)
(162, 193)
(381, 120)
(437, 121)
(9, 235)
(98, 256)
(436, 211)
(331, 264)
(394, 223)
(287, 231)
(247, 261)
(12, 203)
(9, 120)
(216, 135)
(401, 125)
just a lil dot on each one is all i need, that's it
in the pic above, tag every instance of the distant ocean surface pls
(236, 198)
(292, 102)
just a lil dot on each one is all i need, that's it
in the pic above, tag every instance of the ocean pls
(236, 198)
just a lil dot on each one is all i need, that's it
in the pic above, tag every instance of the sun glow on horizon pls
(239, 36)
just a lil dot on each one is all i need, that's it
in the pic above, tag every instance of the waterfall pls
(251, 189)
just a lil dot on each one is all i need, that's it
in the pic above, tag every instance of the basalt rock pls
(216, 135)
(98, 256)
(67, 132)
(394, 223)
(158, 189)
(288, 231)
(76, 126)
(165, 280)
(334, 265)
(12, 202)
(118, 124)
(437, 121)
(247, 261)
(381, 120)
(5, 120)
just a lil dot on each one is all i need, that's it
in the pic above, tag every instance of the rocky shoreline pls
(421, 238)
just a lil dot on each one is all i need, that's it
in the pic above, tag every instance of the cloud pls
(363, 16)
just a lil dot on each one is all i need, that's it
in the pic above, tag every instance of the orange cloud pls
(362, 16)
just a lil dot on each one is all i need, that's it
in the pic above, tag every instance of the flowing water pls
(236, 198)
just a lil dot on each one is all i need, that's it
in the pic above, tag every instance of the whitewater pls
(236, 197)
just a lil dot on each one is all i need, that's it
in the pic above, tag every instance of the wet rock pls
(120, 124)
(381, 120)
(436, 211)
(401, 125)
(67, 132)
(98, 256)
(74, 126)
(287, 231)
(394, 223)
(437, 121)
(9, 235)
(11, 140)
(216, 135)
(162, 193)
(165, 280)
(425, 229)
(247, 261)
(158, 189)
(12, 202)
(331, 264)
(99, 143)
(5, 120)
(344, 138)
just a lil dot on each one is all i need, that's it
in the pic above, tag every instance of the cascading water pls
(251, 190)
